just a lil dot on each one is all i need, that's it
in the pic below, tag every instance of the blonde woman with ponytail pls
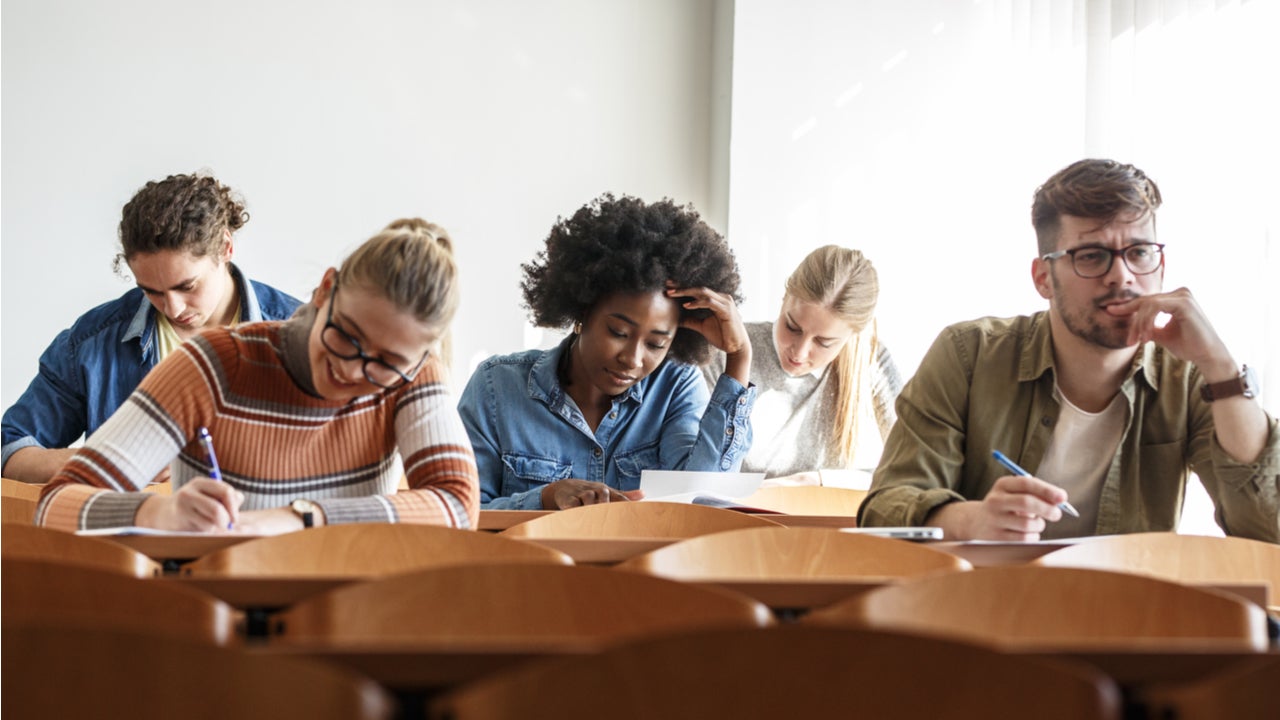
(826, 384)
(308, 415)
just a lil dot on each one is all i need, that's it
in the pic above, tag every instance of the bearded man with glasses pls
(1104, 404)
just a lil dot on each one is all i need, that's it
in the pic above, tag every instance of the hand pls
(723, 328)
(563, 494)
(1015, 509)
(275, 521)
(1188, 334)
(202, 505)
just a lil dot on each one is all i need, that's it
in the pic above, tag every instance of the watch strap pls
(1243, 384)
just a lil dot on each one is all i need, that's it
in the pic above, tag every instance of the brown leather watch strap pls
(1243, 384)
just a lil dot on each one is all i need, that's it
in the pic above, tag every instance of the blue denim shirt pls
(90, 368)
(527, 432)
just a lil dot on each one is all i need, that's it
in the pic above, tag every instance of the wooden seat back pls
(1180, 558)
(366, 550)
(1055, 607)
(41, 592)
(807, 500)
(779, 552)
(40, 543)
(525, 603)
(92, 672)
(788, 671)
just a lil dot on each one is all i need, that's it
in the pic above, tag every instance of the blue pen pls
(1013, 467)
(215, 472)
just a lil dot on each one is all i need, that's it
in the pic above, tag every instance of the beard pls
(1091, 323)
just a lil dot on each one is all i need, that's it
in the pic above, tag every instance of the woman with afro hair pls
(647, 289)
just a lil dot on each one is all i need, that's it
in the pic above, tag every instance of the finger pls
(227, 497)
(1021, 484)
(617, 496)
(633, 494)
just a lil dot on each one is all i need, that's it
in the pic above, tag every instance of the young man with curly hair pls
(646, 289)
(177, 240)
(1096, 399)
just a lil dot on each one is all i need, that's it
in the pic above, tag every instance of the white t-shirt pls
(1078, 458)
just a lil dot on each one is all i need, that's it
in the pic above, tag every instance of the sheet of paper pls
(135, 530)
(664, 484)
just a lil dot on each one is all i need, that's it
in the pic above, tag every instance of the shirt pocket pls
(632, 462)
(525, 472)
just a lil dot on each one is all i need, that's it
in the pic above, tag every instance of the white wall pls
(918, 130)
(491, 117)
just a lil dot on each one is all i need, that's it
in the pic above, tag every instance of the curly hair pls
(623, 245)
(182, 212)
(1094, 189)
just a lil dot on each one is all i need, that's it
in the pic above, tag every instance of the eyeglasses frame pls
(360, 353)
(1111, 261)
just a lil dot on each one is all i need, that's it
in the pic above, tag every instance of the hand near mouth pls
(1188, 334)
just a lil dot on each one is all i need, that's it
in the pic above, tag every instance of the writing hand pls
(1015, 509)
(202, 505)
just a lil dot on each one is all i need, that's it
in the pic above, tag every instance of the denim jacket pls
(90, 368)
(527, 432)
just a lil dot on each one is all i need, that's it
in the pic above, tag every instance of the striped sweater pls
(275, 441)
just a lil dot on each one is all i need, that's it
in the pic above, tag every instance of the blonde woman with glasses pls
(307, 415)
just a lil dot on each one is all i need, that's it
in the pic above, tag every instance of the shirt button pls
(1046, 421)
(596, 452)
(742, 401)
(613, 415)
(728, 431)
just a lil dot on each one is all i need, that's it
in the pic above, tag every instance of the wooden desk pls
(425, 666)
(272, 593)
(991, 554)
(498, 520)
(601, 551)
(177, 547)
(260, 593)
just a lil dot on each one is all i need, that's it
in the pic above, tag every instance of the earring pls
(577, 328)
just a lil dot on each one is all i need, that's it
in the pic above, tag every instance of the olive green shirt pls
(988, 384)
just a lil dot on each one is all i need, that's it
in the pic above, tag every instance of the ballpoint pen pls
(1001, 458)
(206, 440)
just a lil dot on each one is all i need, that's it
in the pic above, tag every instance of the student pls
(1098, 401)
(822, 373)
(306, 415)
(178, 238)
(645, 287)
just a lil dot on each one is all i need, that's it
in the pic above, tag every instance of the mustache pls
(1117, 296)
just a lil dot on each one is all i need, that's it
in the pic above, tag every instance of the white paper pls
(136, 530)
(684, 485)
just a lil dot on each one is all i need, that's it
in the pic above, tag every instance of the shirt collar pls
(142, 326)
(1037, 356)
(544, 380)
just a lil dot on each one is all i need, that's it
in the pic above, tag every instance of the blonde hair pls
(410, 262)
(844, 282)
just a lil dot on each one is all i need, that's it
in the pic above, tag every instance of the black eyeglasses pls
(1094, 262)
(377, 371)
